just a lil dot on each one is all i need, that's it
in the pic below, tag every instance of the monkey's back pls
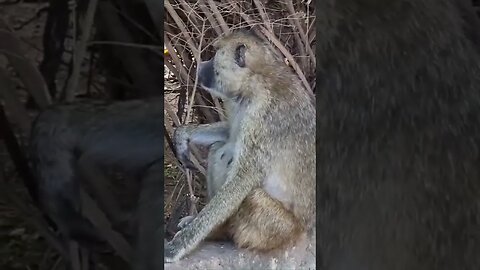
(291, 177)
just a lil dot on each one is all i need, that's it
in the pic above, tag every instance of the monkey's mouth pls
(206, 73)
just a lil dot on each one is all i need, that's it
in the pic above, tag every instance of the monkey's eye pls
(240, 55)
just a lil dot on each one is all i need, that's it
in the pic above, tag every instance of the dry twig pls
(80, 50)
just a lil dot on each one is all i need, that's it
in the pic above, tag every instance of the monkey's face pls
(240, 61)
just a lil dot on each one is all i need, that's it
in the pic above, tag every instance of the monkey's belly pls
(221, 158)
(274, 185)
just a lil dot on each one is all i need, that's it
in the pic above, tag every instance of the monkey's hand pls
(181, 138)
(172, 252)
(205, 134)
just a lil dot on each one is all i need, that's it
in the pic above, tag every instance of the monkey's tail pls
(52, 162)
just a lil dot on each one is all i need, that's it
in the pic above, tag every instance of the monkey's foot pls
(171, 253)
(224, 255)
(185, 221)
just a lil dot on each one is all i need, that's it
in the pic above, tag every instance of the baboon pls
(398, 135)
(268, 193)
(241, 226)
(81, 140)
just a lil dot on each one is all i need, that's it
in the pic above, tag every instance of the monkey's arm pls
(205, 134)
(244, 176)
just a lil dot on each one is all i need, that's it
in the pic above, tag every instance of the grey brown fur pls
(269, 187)
(398, 135)
(79, 141)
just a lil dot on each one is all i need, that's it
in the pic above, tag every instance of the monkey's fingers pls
(183, 155)
(168, 252)
(182, 152)
(186, 163)
(172, 253)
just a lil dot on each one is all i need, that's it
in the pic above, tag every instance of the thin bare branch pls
(80, 50)
(290, 58)
(30, 76)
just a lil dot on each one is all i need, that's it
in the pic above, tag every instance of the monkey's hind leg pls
(219, 159)
(262, 223)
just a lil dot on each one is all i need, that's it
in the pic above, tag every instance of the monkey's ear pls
(240, 55)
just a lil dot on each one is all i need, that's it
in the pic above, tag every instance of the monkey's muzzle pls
(206, 74)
